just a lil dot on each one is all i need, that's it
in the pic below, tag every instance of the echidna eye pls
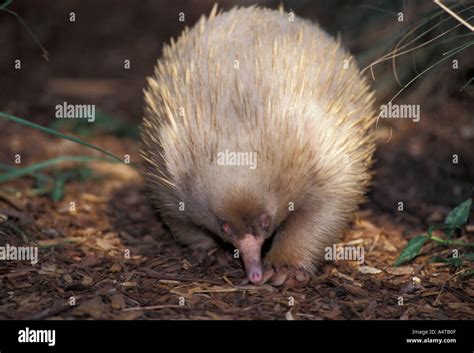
(265, 221)
(226, 227)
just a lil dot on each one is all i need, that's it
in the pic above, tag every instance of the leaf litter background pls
(82, 252)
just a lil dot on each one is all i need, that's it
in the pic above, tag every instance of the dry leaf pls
(369, 270)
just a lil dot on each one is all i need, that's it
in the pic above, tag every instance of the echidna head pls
(246, 221)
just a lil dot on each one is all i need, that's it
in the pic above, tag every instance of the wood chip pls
(87, 281)
(400, 271)
(59, 241)
(128, 315)
(289, 316)
(93, 198)
(115, 268)
(369, 270)
(129, 284)
(117, 301)
(67, 278)
(93, 307)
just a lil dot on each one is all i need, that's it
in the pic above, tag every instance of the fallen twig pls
(154, 274)
(153, 307)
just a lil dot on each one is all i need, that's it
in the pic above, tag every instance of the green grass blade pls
(57, 133)
(5, 4)
(16, 173)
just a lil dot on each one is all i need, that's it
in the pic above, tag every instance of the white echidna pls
(258, 127)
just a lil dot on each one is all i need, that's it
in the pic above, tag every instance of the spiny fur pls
(291, 100)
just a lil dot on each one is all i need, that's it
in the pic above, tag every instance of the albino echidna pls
(258, 126)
